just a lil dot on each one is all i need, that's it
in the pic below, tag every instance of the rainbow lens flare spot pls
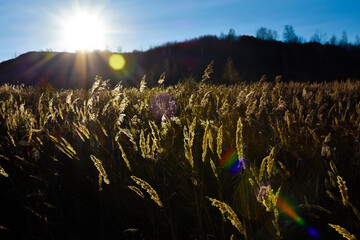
(231, 161)
(313, 232)
(288, 210)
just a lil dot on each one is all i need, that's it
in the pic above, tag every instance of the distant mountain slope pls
(244, 59)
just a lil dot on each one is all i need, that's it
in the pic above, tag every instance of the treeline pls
(246, 58)
(289, 36)
(236, 59)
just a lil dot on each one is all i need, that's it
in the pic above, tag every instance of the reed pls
(146, 186)
(343, 232)
(227, 212)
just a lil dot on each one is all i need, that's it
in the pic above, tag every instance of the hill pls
(243, 59)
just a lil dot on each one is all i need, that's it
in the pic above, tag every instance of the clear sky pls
(34, 25)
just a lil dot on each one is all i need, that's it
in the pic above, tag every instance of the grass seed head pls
(343, 190)
(343, 232)
(229, 213)
(146, 186)
(2, 172)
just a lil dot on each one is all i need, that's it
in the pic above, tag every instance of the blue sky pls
(33, 25)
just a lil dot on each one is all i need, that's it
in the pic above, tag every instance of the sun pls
(83, 31)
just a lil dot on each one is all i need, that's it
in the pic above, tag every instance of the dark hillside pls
(244, 59)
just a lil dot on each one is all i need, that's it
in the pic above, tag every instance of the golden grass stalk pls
(153, 148)
(100, 182)
(239, 138)
(100, 168)
(11, 139)
(333, 168)
(154, 130)
(68, 146)
(142, 143)
(343, 190)
(332, 178)
(282, 166)
(208, 71)
(2, 172)
(40, 106)
(156, 137)
(102, 128)
(31, 133)
(64, 150)
(79, 134)
(123, 104)
(262, 168)
(44, 218)
(213, 167)
(275, 223)
(343, 232)
(192, 132)
(60, 113)
(124, 157)
(282, 137)
(313, 134)
(227, 211)
(4, 157)
(162, 78)
(252, 183)
(287, 119)
(271, 162)
(137, 191)
(219, 142)
(143, 84)
(68, 98)
(148, 148)
(127, 133)
(146, 186)
(187, 147)
(332, 196)
(210, 139)
(205, 141)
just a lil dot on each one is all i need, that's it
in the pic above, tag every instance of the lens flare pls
(117, 61)
(163, 106)
(232, 162)
(313, 232)
(286, 208)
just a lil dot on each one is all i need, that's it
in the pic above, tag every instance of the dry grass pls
(297, 139)
(146, 186)
(343, 232)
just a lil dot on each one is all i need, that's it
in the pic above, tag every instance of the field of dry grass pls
(263, 160)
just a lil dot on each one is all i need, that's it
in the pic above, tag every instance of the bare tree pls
(344, 40)
(231, 35)
(261, 33)
(357, 41)
(318, 37)
(266, 34)
(333, 40)
(289, 34)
